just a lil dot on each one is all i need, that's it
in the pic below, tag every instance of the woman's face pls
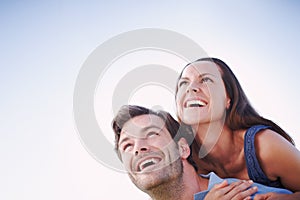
(201, 96)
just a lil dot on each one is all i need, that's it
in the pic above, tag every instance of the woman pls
(232, 139)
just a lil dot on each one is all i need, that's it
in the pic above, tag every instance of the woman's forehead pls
(201, 67)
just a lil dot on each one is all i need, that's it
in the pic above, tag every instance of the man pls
(155, 151)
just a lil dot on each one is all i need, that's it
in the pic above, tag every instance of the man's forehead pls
(148, 119)
(143, 122)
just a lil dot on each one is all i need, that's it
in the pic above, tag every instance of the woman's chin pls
(191, 120)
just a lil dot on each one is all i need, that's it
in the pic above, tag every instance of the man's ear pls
(184, 148)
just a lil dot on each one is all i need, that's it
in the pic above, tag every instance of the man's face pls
(148, 152)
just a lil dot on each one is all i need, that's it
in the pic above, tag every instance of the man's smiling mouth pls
(148, 162)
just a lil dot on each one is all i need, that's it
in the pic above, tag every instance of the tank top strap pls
(254, 169)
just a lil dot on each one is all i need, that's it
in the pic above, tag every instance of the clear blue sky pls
(44, 44)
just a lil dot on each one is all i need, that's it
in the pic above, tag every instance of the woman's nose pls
(193, 87)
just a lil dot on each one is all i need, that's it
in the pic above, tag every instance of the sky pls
(46, 44)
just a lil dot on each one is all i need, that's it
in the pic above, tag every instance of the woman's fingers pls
(239, 190)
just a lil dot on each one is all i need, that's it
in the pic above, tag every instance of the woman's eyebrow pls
(200, 76)
(183, 78)
(205, 74)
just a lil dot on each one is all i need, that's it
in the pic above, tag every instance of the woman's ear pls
(184, 148)
(228, 103)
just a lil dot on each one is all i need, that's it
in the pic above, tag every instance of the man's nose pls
(141, 146)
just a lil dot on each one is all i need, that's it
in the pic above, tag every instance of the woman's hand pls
(240, 190)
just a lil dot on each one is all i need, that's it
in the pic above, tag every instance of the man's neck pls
(171, 190)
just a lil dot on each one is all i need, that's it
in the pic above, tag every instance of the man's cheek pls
(127, 161)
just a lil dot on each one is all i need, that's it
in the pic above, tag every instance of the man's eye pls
(206, 80)
(127, 147)
(152, 134)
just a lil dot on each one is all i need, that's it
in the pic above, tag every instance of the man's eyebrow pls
(123, 140)
(143, 130)
(152, 127)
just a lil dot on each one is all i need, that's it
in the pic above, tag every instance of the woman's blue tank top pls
(254, 170)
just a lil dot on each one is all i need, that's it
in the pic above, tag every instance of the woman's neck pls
(208, 137)
(215, 142)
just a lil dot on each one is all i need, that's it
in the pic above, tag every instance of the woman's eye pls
(181, 83)
(206, 80)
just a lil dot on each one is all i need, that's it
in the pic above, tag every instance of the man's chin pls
(148, 180)
(157, 178)
(148, 185)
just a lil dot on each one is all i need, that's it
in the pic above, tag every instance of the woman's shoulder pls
(266, 138)
(271, 150)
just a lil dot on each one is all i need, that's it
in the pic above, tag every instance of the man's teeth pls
(147, 163)
(195, 103)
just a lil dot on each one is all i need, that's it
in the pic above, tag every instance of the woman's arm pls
(279, 159)
(276, 196)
